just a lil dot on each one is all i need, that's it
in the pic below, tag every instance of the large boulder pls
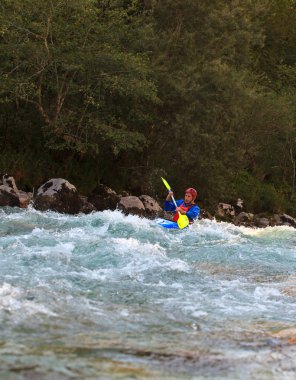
(152, 208)
(131, 205)
(59, 195)
(104, 198)
(8, 197)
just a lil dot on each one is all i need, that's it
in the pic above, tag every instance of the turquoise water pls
(114, 297)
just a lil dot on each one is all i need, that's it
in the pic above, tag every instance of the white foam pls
(135, 252)
(132, 245)
(38, 231)
(62, 251)
(213, 232)
(266, 293)
(117, 216)
(124, 313)
(272, 231)
(94, 274)
(178, 265)
(13, 299)
(199, 313)
(8, 290)
(177, 285)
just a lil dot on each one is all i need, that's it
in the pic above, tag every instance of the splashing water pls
(115, 297)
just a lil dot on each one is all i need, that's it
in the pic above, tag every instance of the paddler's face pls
(188, 198)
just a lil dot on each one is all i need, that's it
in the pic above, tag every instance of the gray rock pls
(261, 222)
(283, 220)
(288, 220)
(277, 221)
(152, 208)
(244, 219)
(59, 195)
(8, 197)
(131, 205)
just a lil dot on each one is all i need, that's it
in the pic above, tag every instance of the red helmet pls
(192, 191)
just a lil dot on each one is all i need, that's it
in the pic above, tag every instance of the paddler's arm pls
(193, 212)
(168, 204)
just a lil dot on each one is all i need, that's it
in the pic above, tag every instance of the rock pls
(124, 194)
(131, 205)
(225, 210)
(8, 197)
(8, 180)
(204, 214)
(283, 220)
(244, 219)
(276, 220)
(288, 220)
(104, 198)
(152, 208)
(85, 206)
(24, 198)
(261, 222)
(238, 207)
(59, 195)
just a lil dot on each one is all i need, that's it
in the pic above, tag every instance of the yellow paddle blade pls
(166, 184)
(182, 221)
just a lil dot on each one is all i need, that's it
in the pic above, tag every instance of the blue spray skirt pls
(167, 224)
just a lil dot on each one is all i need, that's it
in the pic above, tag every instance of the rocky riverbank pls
(59, 195)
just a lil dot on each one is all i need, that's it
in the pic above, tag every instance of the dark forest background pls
(122, 92)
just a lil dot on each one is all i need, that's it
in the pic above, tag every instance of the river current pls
(108, 296)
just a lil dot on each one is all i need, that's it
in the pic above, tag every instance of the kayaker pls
(186, 206)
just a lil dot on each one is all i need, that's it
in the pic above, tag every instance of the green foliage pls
(258, 196)
(123, 91)
(72, 65)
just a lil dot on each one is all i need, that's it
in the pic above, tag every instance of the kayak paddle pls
(183, 220)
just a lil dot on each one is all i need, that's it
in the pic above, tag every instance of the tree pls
(71, 61)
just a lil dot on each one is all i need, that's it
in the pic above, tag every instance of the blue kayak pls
(167, 224)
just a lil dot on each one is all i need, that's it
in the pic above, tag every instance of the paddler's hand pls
(181, 211)
(169, 197)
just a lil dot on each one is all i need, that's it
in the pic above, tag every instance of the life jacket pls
(185, 208)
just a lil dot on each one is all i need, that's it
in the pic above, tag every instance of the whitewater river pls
(105, 296)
